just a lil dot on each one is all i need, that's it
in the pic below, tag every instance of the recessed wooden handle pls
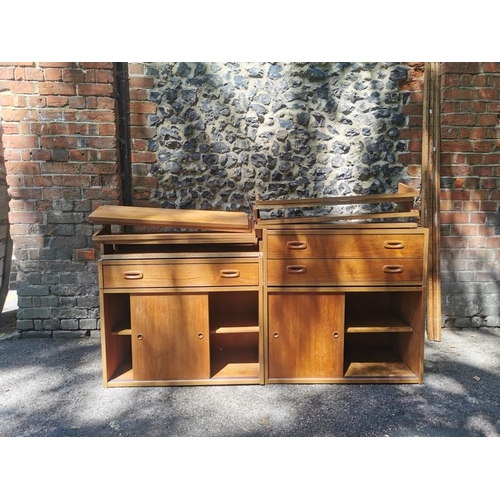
(296, 269)
(230, 273)
(139, 336)
(394, 245)
(296, 245)
(276, 335)
(200, 335)
(132, 275)
(392, 268)
(335, 335)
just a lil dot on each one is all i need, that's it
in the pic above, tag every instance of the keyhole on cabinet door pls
(139, 336)
(276, 335)
(200, 335)
(335, 335)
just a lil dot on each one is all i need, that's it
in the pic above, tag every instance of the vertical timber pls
(430, 207)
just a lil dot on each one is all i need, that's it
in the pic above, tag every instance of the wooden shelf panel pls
(175, 218)
(404, 194)
(235, 324)
(234, 363)
(374, 363)
(122, 331)
(385, 324)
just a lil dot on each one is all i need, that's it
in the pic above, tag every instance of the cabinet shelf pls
(383, 324)
(122, 331)
(235, 325)
(375, 363)
(234, 364)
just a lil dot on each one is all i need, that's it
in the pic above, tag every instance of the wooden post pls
(430, 207)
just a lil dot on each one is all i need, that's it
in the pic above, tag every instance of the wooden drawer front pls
(179, 275)
(354, 246)
(344, 271)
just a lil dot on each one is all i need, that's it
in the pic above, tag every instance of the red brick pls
(488, 93)
(94, 89)
(53, 74)
(20, 141)
(491, 67)
(57, 101)
(458, 120)
(142, 107)
(461, 67)
(97, 65)
(73, 75)
(56, 88)
(84, 254)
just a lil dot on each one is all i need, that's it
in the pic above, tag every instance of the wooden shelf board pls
(235, 329)
(386, 324)
(122, 331)
(404, 194)
(326, 218)
(181, 238)
(376, 363)
(165, 217)
(235, 323)
(234, 363)
(378, 369)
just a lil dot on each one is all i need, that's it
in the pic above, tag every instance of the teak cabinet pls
(239, 302)
(344, 305)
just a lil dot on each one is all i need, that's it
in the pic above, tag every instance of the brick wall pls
(470, 194)
(59, 145)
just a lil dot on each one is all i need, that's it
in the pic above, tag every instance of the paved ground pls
(53, 387)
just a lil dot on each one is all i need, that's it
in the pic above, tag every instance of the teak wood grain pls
(170, 336)
(306, 335)
(175, 218)
(316, 272)
(326, 244)
(135, 275)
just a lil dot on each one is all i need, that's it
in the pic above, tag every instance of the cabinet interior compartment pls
(117, 354)
(234, 334)
(383, 335)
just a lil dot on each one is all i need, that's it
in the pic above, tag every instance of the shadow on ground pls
(53, 387)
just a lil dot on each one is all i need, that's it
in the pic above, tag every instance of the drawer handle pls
(230, 273)
(296, 245)
(132, 275)
(296, 269)
(393, 269)
(393, 245)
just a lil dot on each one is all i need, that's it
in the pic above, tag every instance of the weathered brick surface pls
(59, 141)
(470, 205)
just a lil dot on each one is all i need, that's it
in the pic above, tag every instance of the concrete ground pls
(53, 387)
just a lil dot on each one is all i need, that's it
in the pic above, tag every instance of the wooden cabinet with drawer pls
(350, 298)
(181, 307)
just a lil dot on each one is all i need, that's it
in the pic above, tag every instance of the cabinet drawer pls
(179, 275)
(344, 271)
(355, 246)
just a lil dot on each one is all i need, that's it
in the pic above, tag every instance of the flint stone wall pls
(226, 131)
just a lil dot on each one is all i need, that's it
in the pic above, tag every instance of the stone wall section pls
(212, 135)
(470, 194)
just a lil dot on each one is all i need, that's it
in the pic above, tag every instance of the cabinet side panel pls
(409, 306)
(116, 350)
